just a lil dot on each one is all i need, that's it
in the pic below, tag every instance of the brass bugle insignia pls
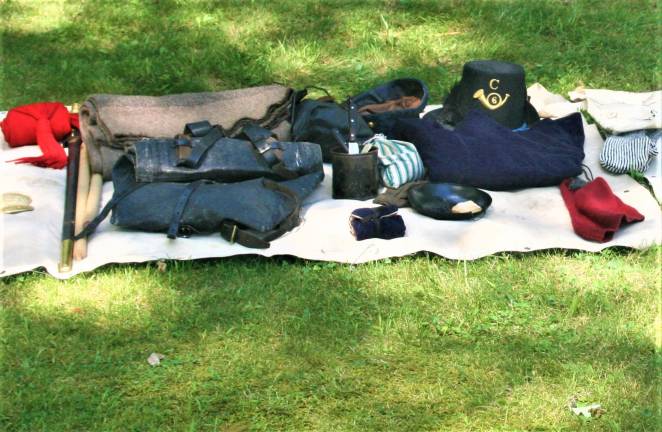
(492, 101)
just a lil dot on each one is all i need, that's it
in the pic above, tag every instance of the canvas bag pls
(204, 206)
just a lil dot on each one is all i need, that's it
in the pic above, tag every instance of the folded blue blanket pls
(482, 153)
(382, 222)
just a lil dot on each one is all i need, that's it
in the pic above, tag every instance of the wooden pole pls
(82, 191)
(92, 209)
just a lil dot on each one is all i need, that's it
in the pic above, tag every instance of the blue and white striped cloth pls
(632, 151)
(399, 161)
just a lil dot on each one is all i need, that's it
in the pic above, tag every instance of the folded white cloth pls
(621, 111)
(548, 104)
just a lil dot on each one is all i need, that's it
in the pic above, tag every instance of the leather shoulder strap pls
(199, 147)
(94, 223)
(266, 145)
(176, 220)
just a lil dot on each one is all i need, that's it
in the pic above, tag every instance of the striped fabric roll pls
(399, 161)
(633, 151)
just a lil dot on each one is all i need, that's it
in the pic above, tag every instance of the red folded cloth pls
(595, 211)
(42, 123)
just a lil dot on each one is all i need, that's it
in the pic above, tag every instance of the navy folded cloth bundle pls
(482, 153)
(382, 222)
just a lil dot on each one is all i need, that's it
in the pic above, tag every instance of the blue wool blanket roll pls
(482, 153)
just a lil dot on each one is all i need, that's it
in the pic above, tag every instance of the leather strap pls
(199, 147)
(295, 98)
(264, 142)
(236, 233)
(256, 133)
(232, 232)
(94, 223)
(176, 220)
(275, 115)
(198, 129)
(271, 151)
(266, 145)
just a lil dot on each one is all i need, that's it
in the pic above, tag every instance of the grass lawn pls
(419, 343)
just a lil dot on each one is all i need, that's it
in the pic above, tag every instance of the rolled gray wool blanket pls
(110, 124)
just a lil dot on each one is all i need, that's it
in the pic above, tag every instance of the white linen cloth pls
(621, 111)
(519, 221)
(548, 104)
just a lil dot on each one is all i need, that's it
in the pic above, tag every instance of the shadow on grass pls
(259, 319)
(163, 47)
(281, 343)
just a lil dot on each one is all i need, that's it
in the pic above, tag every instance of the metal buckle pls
(233, 236)
(266, 145)
(183, 147)
(185, 231)
(182, 141)
(263, 147)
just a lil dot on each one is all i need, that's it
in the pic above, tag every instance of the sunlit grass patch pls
(416, 342)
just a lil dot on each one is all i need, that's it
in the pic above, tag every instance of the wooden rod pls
(92, 209)
(82, 191)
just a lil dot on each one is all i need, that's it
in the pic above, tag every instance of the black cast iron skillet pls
(437, 199)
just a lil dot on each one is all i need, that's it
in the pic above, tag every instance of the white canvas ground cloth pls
(525, 220)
